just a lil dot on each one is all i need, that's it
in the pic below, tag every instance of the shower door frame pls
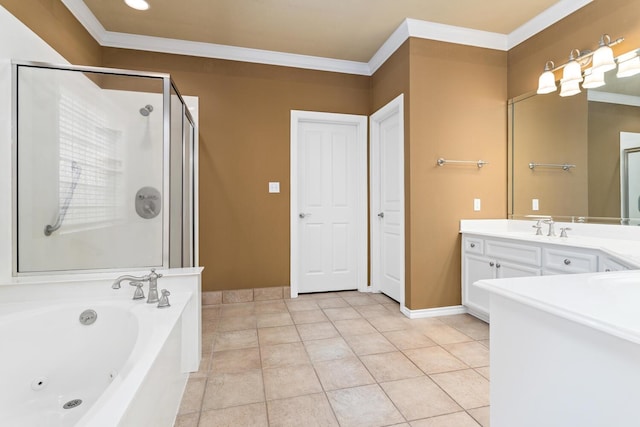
(167, 85)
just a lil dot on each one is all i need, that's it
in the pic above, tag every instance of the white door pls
(387, 200)
(328, 202)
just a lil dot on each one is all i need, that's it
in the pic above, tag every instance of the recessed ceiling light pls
(137, 4)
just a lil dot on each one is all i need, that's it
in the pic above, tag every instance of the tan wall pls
(606, 121)
(53, 22)
(550, 129)
(580, 30)
(457, 111)
(244, 143)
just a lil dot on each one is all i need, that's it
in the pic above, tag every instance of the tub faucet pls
(152, 278)
(153, 287)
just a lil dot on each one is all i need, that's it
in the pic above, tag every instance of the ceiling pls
(342, 30)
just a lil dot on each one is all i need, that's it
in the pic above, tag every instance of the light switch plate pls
(476, 204)
(535, 205)
(274, 187)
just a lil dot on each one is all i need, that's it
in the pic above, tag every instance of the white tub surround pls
(500, 249)
(565, 350)
(139, 384)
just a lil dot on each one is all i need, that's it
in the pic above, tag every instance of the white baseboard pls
(433, 312)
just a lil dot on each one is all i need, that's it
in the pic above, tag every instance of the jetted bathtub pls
(124, 369)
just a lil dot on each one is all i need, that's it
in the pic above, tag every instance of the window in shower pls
(90, 169)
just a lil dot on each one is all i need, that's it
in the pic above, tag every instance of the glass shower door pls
(90, 164)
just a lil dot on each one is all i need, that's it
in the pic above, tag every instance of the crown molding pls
(86, 18)
(545, 19)
(395, 40)
(232, 53)
(458, 35)
(408, 28)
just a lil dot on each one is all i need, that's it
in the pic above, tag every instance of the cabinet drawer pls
(569, 261)
(522, 254)
(473, 245)
(610, 264)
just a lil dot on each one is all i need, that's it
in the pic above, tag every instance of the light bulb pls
(628, 65)
(592, 79)
(569, 88)
(137, 4)
(603, 57)
(547, 80)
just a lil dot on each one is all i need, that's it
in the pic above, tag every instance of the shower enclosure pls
(104, 170)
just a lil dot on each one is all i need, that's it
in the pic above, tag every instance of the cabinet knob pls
(607, 269)
(497, 265)
(491, 264)
(473, 245)
(567, 261)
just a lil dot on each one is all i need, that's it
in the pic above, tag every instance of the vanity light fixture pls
(569, 87)
(138, 4)
(572, 69)
(547, 80)
(628, 64)
(603, 56)
(592, 79)
(602, 60)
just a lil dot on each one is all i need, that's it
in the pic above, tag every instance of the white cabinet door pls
(475, 299)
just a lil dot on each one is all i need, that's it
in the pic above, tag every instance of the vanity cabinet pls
(607, 263)
(494, 258)
(568, 261)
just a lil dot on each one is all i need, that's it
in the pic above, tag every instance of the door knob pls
(303, 215)
(381, 215)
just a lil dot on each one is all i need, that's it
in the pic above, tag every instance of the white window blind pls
(86, 140)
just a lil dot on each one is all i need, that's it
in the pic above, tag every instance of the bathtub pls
(127, 368)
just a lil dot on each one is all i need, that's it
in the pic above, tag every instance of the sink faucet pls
(538, 227)
(152, 278)
(552, 230)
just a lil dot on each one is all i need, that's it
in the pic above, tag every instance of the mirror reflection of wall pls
(584, 130)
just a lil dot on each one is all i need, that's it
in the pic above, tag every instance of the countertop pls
(620, 242)
(609, 302)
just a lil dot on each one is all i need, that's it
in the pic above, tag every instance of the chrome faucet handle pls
(164, 299)
(139, 292)
(154, 275)
(563, 231)
(538, 227)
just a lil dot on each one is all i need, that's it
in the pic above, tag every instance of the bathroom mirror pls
(574, 158)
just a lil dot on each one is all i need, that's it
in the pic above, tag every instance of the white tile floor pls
(337, 359)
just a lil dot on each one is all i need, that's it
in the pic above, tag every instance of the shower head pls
(146, 110)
